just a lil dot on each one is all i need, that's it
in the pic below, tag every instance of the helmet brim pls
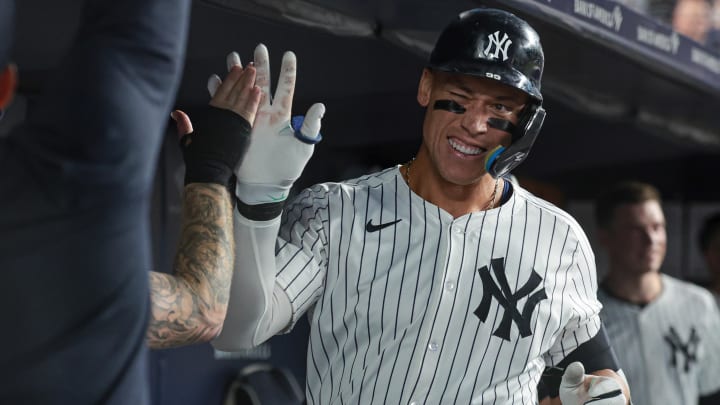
(488, 70)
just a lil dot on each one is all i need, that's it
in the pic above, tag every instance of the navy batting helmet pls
(494, 44)
(497, 45)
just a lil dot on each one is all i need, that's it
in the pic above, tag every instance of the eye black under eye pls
(449, 105)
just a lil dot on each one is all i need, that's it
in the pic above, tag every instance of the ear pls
(425, 87)
(8, 82)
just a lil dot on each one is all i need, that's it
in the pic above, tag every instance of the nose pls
(653, 236)
(475, 121)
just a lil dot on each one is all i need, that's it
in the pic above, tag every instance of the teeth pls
(464, 149)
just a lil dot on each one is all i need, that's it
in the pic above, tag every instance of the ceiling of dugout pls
(620, 89)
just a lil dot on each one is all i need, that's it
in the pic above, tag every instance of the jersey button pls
(414, 403)
(450, 286)
(433, 346)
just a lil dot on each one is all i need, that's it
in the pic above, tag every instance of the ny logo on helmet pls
(501, 45)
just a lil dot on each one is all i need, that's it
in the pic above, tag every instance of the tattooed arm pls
(189, 306)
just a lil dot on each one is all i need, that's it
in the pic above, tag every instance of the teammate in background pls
(75, 185)
(710, 246)
(435, 281)
(665, 331)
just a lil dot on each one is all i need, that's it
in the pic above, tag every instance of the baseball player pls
(665, 331)
(709, 241)
(435, 281)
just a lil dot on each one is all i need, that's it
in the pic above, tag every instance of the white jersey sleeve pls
(710, 367)
(580, 283)
(302, 249)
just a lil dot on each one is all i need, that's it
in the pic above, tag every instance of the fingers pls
(286, 83)
(224, 91)
(182, 123)
(262, 80)
(240, 94)
(214, 81)
(233, 59)
(247, 102)
(213, 84)
(574, 375)
(313, 118)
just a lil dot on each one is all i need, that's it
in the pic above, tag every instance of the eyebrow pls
(510, 97)
(461, 87)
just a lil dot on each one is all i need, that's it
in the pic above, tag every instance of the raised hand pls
(239, 92)
(215, 149)
(280, 147)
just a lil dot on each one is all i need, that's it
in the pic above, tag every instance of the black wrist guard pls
(215, 147)
(595, 354)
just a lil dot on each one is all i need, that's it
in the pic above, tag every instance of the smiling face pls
(458, 142)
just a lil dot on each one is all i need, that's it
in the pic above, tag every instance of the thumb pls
(311, 125)
(574, 375)
(182, 122)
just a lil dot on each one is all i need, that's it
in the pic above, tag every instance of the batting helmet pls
(497, 45)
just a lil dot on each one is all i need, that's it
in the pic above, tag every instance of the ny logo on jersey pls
(678, 348)
(500, 44)
(508, 300)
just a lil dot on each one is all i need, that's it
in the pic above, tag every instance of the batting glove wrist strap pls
(213, 150)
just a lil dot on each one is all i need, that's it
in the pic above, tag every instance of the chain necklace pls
(489, 206)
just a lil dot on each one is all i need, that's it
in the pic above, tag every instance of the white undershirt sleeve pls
(258, 308)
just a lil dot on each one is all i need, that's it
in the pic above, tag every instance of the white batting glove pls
(279, 147)
(578, 388)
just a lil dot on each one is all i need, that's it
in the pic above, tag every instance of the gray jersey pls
(411, 306)
(669, 349)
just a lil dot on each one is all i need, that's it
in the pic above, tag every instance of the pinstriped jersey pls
(409, 305)
(668, 349)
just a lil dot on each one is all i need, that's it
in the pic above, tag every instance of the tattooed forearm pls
(189, 306)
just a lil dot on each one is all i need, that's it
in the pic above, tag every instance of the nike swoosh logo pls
(370, 227)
